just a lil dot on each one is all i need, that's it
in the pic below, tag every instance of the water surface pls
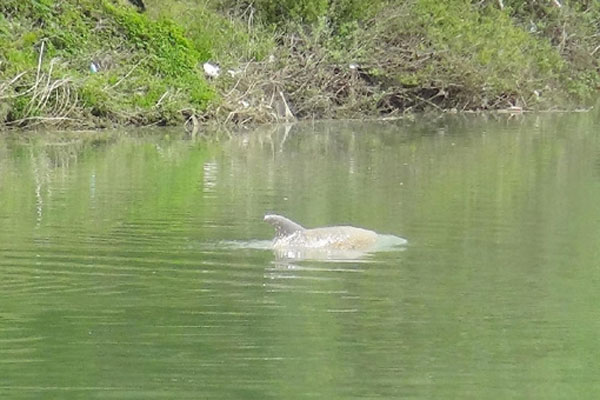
(136, 264)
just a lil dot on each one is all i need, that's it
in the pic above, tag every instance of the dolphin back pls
(283, 226)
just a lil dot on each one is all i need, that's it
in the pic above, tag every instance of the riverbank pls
(95, 64)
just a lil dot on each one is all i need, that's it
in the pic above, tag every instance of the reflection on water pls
(137, 264)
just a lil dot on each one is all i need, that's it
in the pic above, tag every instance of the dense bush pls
(88, 60)
(337, 12)
(97, 62)
(485, 53)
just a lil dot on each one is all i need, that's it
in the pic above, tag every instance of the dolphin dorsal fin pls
(283, 226)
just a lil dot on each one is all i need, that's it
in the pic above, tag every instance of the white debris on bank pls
(211, 70)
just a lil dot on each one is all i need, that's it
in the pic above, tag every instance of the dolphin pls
(290, 235)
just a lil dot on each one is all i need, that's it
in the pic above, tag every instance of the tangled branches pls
(46, 100)
(301, 83)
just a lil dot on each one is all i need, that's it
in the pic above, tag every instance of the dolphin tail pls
(283, 226)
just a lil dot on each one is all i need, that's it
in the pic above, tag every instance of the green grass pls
(473, 55)
(229, 38)
(141, 60)
(484, 49)
(413, 55)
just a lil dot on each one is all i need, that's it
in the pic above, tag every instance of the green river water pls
(136, 265)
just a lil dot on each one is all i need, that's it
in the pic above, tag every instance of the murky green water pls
(137, 265)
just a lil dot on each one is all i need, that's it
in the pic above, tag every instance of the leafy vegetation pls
(89, 62)
(99, 63)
